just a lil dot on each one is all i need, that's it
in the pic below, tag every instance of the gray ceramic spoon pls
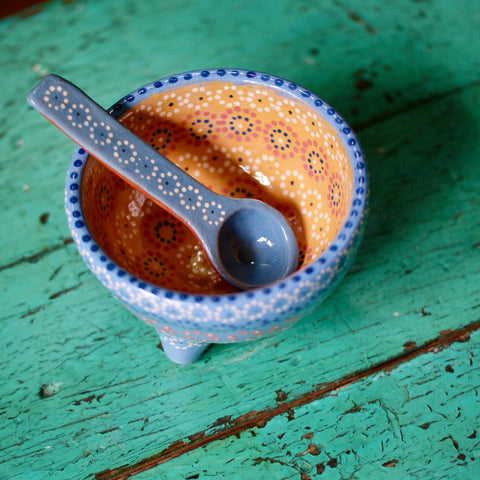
(248, 242)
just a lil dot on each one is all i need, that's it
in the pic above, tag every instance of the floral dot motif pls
(164, 135)
(104, 197)
(335, 200)
(315, 164)
(279, 139)
(241, 128)
(166, 232)
(154, 267)
(160, 138)
(239, 125)
(201, 129)
(314, 160)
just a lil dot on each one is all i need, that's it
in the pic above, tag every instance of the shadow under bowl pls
(242, 134)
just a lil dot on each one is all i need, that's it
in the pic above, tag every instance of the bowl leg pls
(181, 351)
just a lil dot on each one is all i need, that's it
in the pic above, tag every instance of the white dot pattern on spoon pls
(128, 155)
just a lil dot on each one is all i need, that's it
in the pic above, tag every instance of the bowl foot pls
(182, 352)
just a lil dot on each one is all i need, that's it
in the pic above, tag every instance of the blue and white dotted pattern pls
(188, 319)
(117, 147)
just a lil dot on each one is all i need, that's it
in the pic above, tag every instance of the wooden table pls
(380, 381)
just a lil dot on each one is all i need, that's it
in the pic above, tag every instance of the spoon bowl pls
(226, 227)
(249, 240)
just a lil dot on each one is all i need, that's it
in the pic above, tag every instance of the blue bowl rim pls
(326, 261)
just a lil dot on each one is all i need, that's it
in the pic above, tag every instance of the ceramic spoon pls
(248, 242)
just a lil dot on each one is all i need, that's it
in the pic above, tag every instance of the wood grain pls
(405, 420)
(286, 409)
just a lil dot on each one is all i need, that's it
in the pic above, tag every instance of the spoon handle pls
(89, 125)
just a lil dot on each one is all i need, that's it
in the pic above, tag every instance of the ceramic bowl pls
(242, 134)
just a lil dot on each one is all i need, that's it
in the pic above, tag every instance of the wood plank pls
(418, 420)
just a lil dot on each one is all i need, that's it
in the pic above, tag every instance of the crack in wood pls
(89, 399)
(235, 426)
(64, 291)
(357, 19)
(420, 103)
(35, 257)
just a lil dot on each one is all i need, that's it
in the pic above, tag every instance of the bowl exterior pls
(186, 320)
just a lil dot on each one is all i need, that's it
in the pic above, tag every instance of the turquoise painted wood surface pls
(407, 77)
(414, 420)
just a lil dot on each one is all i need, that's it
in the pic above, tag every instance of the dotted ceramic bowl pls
(242, 134)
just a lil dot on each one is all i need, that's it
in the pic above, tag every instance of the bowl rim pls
(351, 227)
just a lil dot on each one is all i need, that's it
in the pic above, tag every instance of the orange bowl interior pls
(239, 141)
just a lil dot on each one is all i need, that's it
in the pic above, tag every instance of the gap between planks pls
(261, 418)
(413, 106)
(36, 257)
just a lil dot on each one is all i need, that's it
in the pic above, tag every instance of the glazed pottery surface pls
(242, 134)
(248, 242)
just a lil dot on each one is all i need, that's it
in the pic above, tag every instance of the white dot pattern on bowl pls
(309, 181)
(186, 320)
